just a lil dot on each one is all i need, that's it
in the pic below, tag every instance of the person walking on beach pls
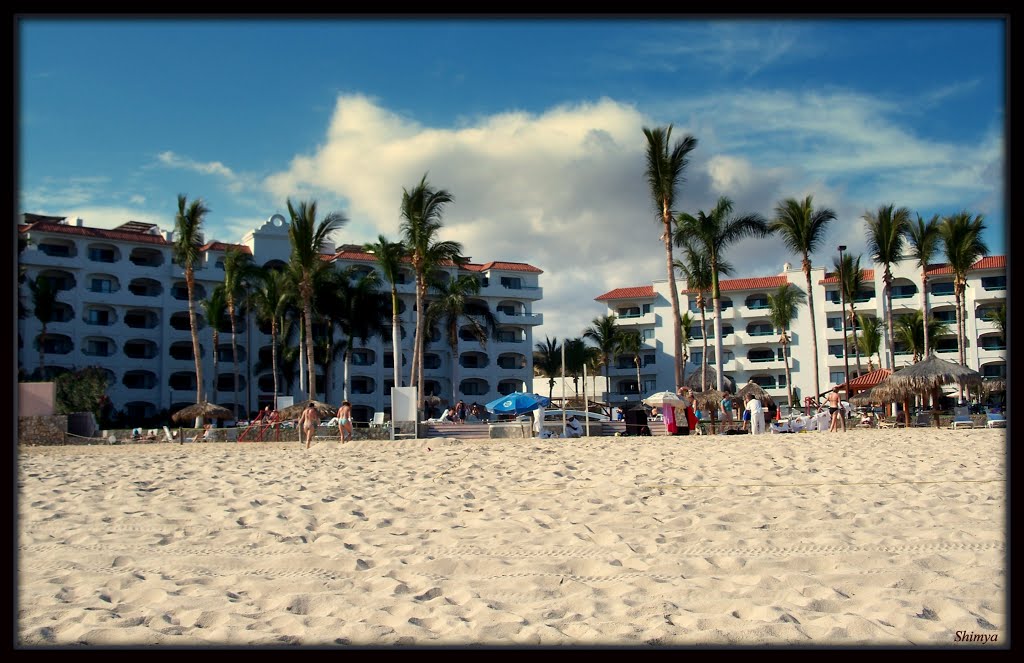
(308, 421)
(756, 412)
(835, 410)
(460, 412)
(345, 420)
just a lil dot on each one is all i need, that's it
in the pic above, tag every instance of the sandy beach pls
(874, 537)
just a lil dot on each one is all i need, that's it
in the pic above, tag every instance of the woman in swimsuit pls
(309, 421)
(345, 420)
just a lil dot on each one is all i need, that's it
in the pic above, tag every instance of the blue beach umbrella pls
(517, 403)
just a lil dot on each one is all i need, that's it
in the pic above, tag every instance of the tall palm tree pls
(909, 329)
(887, 230)
(782, 307)
(696, 268)
(389, 257)
(422, 209)
(870, 340)
(998, 317)
(44, 303)
(961, 239)
(216, 312)
(802, 229)
(238, 270)
(449, 307)
(308, 239)
(547, 361)
(713, 233)
(270, 300)
(604, 332)
(630, 343)
(851, 283)
(686, 322)
(923, 243)
(188, 227)
(665, 166)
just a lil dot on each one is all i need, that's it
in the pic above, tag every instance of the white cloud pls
(564, 190)
(234, 182)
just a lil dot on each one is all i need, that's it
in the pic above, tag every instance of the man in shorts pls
(835, 411)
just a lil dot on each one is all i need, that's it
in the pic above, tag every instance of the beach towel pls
(691, 419)
(669, 417)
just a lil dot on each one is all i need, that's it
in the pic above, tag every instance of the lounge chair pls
(378, 420)
(924, 419)
(961, 418)
(994, 420)
(169, 436)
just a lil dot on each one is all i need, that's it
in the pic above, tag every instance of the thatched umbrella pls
(710, 401)
(203, 409)
(758, 392)
(865, 397)
(293, 411)
(928, 376)
(993, 385)
(693, 380)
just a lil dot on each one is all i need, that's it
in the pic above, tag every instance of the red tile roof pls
(510, 267)
(349, 252)
(222, 246)
(757, 283)
(991, 262)
(636, 292)
(98, 233)
(833, 277)
(868, 380)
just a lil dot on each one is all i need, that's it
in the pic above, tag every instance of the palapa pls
(202, 409)
(692, 380)
(927, 377)
(758, 392)
(293, 411)
(709, 400)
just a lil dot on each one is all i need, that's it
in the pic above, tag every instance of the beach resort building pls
(123, 306)
(751, 343)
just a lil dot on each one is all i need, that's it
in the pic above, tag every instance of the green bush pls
(83, 391)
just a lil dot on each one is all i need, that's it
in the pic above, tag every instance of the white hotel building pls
(123, 306)
(750, 342)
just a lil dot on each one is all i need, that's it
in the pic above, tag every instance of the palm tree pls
(851, 284)
(998, 317)
(188, 226)
(361, 311)
(696, 268)
(803, 230)
(887, 229)
(604, 332)
(664, 173)
(389, 258)
(422, 208)
(630, 343)
(547, 361)
(870, 340)
(923, 243)
(215, 310)
(909, 330)
(713, 233)
(685, 323)
(961, 238)
(782, 306)
(270, 300)
(308, 239)
(44, 303)
(576, 356)
(238, 270)
(449, 308)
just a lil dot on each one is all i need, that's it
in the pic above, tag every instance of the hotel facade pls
(751, 343)
(123, 306)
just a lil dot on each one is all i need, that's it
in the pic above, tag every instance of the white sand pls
(873, 537)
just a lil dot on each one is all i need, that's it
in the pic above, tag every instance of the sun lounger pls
(994, 420)
(961, 419)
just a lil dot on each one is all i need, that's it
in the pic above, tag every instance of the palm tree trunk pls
(395, 347)
(455, 366)
(234, 345)
(213, 380)
(346, 358)
(191, 284)
(302, 356)
(42, 351)
(961, 329)
(924, 307)
(307, 310)
(677, 328)
(888, 319)
(607, 383)
(853, 326)
(639, 387)
(417, 350)
(789, 379)
(719, 349)
(273, 353)
(814, 327)
(704, 360)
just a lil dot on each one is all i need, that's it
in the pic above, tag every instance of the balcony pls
(501, 317)
(634, 319)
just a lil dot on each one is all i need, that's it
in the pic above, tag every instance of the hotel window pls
(650, 385)
(99, 317)
(836, 377)
(942, 288)
(101, 255)
(836, 350)
(648, 359)
(993, 282)
(102, 285)
(782, 380)
(511, 282)
(646, 308)
(835, 322)
(648, 334)
(833, 296)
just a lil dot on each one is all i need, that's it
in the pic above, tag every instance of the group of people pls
(310, 419)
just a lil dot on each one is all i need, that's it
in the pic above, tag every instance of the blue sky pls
(534, 125)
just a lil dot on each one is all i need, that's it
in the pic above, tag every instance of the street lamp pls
(842, 296)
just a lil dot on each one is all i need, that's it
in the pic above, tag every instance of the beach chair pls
(378, 420)
(994, 420)
(169, 437)
(961, 418)
(924, 419)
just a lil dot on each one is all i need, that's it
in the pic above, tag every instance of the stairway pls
(459, 431)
